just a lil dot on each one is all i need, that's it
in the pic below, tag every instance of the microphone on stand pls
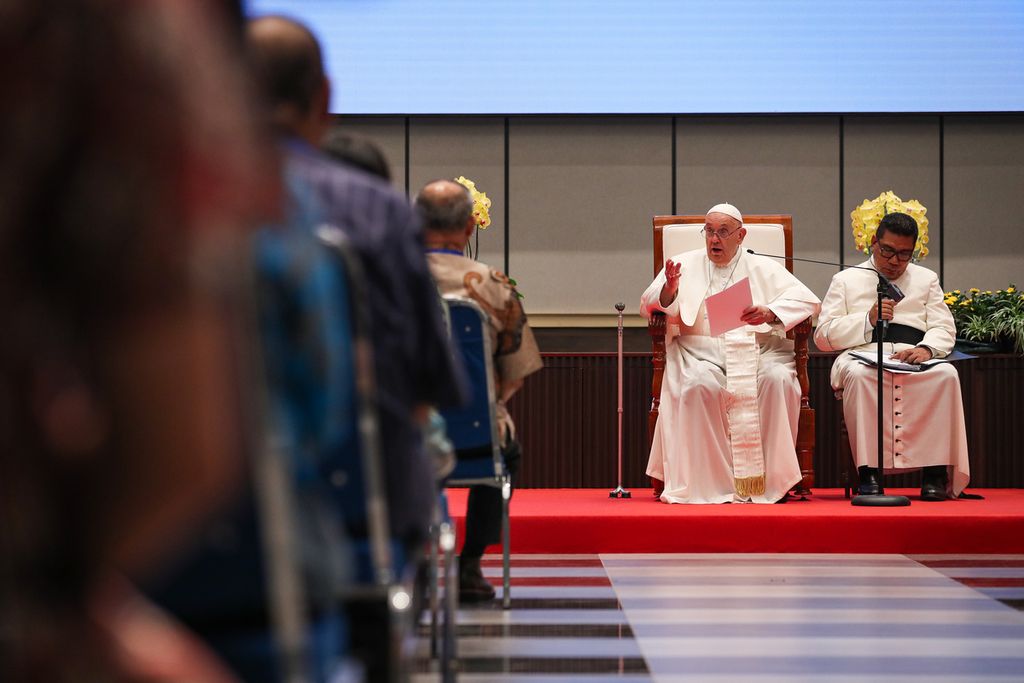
(891, 290)
(887, 289)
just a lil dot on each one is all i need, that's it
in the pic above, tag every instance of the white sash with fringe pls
(741, 358)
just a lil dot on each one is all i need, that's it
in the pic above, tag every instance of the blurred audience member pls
(364, 154)
(127, 170)
(447, 211)
(412, 359)
(355, 150)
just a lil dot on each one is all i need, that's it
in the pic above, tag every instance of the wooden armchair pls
(769, 234)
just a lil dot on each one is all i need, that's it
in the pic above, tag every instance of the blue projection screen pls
(667, 57)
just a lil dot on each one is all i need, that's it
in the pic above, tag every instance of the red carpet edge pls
(588, 521)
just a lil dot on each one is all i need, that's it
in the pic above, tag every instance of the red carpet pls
(587, 521)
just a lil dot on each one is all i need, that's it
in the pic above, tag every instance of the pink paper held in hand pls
(725, 309)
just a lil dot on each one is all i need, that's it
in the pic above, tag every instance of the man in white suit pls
(730, 404)
(924, 415)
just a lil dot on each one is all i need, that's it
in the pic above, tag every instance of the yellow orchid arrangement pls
(481, 204)
(868, 215)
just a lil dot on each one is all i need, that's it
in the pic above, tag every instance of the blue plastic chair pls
(473, 429)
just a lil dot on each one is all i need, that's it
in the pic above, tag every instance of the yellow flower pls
(866, 217)
(1010, 290)
(481, 203)
(956, 291)
(974, 290)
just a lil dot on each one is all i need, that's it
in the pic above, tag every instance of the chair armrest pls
(656, 328)
(805, 433)
(801, 335)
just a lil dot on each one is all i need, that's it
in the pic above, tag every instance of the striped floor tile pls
(760, 618)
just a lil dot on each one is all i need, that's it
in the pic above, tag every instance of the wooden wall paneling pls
(599, 420)
(636, 392)
(546, 414)
(566, 418)
(994, 403)
(828, 465)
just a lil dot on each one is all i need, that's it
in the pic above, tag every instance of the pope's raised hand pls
(671, 286)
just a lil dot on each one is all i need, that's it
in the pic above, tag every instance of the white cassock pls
(730, 404)
(923, 411)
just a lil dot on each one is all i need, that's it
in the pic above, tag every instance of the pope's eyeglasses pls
(721, 233)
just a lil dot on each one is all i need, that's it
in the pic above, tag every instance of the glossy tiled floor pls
(748, 618)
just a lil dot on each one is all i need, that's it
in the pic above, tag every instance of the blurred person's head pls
(360, 152)
(127, 169)
(288, 67)
(446, 208)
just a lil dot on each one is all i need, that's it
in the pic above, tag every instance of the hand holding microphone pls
(888, 308)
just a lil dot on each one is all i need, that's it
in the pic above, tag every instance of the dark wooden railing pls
(566, 419)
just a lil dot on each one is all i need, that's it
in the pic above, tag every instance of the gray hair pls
(444, 212)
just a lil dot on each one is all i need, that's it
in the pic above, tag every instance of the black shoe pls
(869, 485)
(473, 587)
(933, 483)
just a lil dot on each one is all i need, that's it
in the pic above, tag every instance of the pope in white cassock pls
(730, 404)
(924, 414)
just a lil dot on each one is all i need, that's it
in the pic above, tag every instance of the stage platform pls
(588, 521)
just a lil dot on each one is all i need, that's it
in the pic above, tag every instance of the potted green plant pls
(988, 321)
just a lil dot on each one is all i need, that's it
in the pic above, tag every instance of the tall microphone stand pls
(880, 499)
(885, 288)
(620, 492)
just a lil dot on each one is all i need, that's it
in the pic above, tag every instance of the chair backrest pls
(767, 234)
(473, 429)
(357, 472)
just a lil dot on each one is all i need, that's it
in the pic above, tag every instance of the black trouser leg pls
(483, 509)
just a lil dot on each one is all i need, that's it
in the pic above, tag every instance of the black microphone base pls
(882, 500)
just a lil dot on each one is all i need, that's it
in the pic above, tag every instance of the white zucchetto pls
(728, 210)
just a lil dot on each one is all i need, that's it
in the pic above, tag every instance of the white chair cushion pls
(766, 238)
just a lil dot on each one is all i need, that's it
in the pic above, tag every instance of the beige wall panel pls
(471, 147)
(890, 153)
(388, 132)
(767, 165)
(582, 193)
(984, 201)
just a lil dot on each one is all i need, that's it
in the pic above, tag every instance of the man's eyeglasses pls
(901, 256)
(721, 233)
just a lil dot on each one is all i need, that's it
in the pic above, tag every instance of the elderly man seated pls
(729, 404)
